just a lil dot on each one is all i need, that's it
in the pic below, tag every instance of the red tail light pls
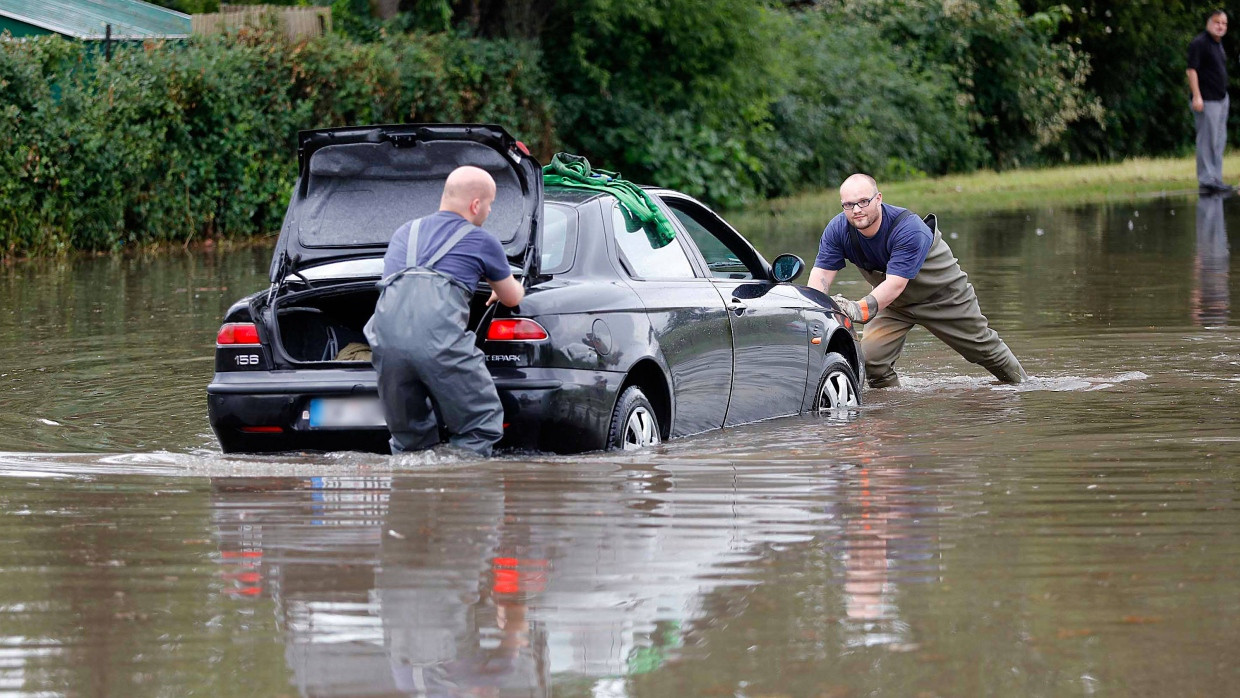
(238, 333)
(515, 329)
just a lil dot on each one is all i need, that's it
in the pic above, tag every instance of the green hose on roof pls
(640, 211)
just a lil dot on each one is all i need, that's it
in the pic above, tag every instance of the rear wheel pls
(839, 386)
(633, 423)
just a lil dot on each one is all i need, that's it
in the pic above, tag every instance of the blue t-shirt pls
(899, 252)
(477, 256)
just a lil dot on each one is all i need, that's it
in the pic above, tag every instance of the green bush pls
(860, 104)
(673, 92)
(1138, 51)
(730, 99)
(172, 141)
(25, 79)
(1025, 89)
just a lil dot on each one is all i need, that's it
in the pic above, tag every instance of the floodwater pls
(1075, 535)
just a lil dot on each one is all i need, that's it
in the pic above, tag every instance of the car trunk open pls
(320, 326)
(355, 187)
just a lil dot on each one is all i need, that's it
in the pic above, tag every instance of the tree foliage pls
(1138, 51)
(670, 91)
(858, 103)
(1025, 88)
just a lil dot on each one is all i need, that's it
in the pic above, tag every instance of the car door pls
(770, 339)
(688, 321)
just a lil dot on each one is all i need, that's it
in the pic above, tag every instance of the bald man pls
(915, 279)
(428, 363)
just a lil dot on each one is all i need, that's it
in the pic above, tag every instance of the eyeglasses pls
(850, 205)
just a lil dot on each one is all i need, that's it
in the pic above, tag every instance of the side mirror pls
(787, 267)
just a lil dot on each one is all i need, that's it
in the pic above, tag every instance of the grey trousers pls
(1211, 124)
(1211, 305)
(941, 299)
(429, 366)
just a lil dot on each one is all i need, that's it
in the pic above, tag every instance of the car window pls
(723, 261)
(558, 240)
(645, 260)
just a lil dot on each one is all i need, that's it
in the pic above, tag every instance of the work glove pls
(861, 311)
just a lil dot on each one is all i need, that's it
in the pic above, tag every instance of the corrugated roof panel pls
(88, 19)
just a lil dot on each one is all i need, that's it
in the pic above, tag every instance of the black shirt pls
(1205, 55)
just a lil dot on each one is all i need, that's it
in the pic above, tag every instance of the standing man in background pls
(1207, 79)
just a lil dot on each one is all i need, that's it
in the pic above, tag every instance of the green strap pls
(640, 210)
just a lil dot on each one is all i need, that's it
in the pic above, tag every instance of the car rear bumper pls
(558, 410)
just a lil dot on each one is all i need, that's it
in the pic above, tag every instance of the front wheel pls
(839, 386)
(633, 424)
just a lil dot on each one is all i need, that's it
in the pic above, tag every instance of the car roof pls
(572, 196)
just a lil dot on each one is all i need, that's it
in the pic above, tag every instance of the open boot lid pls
(357, 185)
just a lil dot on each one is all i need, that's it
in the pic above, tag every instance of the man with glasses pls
(916, 281)
(1207, 80)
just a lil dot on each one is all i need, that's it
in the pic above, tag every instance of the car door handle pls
(737, 307)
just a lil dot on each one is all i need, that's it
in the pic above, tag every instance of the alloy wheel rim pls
(640, 430)
(837, 391)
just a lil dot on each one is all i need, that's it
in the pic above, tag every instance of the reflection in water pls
(453, 592)
(870, 537)
(445, 590)
(385, 585)
(1211, 301)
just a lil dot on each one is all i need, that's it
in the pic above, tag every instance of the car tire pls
(633, 423)
(838, 386)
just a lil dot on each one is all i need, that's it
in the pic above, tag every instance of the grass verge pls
(996, 191)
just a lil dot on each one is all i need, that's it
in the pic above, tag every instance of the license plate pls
(346, 412)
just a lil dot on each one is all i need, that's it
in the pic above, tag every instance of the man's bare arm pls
(1195, 88)
(507, 291)
(889, 290)
(821, 279)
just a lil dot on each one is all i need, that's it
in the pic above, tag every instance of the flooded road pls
(1074, 535)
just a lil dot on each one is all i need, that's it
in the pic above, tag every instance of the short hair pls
(1216, 13)
(865, 177)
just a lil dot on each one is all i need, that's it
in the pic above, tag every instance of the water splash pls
(936, 383)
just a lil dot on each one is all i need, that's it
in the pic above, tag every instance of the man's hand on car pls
(861, 311)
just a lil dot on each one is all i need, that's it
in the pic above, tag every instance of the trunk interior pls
(327, 327)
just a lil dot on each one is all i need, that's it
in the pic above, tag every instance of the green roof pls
(88, 19)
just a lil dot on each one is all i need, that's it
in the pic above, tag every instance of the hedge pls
(176, 141)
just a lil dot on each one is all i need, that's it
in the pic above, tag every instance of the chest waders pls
(941, 299)
(427, 361)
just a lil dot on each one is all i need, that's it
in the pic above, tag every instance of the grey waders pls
(941, 299)
(427, 361)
